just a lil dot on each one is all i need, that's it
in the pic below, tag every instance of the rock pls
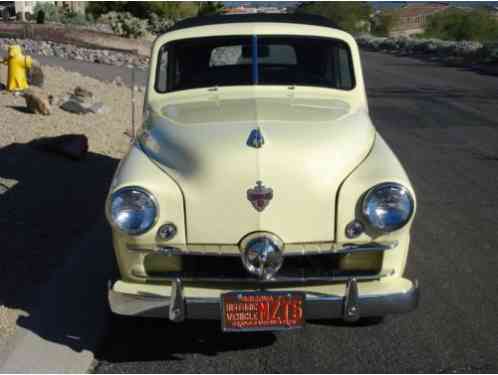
(37, 77)
(79, 106)
(73, 146)
(37, 101)
(83, 93)
(118, 81)
(6, 184)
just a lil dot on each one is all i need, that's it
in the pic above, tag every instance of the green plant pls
(172, 10)
(73, 18)
(350, 16)
(126, 25)
(40, 17)
(384, 23)
(50, 10)
(158, 25)
(210, 8)
(457, 24)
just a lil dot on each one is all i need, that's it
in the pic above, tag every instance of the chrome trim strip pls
(345, 249)
(274, 280)
(371, 247)
(317, 306)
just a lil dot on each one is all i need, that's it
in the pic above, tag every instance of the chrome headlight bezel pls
(370, 193)
(152, 199)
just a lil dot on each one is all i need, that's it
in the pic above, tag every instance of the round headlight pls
(388, 206)
(132, 210)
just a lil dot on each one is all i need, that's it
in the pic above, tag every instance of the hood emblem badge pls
(260, 196)
(256, 139)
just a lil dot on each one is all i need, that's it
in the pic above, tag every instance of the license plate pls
(262, 311)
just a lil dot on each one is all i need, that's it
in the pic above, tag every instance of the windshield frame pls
(255, 66)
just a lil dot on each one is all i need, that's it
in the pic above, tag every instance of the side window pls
(344, 70)
(162, 71)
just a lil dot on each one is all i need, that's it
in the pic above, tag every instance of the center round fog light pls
(262, 257)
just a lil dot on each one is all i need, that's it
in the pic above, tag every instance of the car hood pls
(310, 146)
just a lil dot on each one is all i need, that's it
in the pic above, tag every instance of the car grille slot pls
(318, 266)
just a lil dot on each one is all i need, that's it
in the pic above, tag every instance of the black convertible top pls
(306, 19)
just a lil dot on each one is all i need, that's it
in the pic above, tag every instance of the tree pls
(457, 24)
(50, 11)
(210, 8)
(173, 10)
(384, 23)
(350, 16)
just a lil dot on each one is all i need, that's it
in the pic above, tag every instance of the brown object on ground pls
(73, 146)
(83, 93)
(37, 101)
(118, 81)
(36, 76)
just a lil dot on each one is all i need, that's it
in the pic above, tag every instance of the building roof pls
(306, 19)
(414, 10)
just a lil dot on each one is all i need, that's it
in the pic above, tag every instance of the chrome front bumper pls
(350, 307)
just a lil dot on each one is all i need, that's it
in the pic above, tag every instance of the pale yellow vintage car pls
(258, 192)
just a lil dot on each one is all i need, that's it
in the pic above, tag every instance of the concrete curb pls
(63, 332)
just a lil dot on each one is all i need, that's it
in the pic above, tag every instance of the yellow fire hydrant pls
(18, 66)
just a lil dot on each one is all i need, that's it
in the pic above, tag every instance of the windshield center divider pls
(255, 62)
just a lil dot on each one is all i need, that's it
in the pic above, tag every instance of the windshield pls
(249, 60)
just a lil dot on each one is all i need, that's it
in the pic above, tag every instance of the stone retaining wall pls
(450, 51)
(74, 35)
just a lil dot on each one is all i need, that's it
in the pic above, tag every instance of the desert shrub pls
(73, 18)
(124, 24)
(50, 10)
(208, 8)
(384, 23)
(172, 10)
(457, 24)
(158, 25)
(40, 17)
(351, 16)
(491, 52)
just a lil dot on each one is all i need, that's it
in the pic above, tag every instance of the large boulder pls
(37, 101)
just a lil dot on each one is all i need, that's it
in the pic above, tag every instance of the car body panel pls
(311, 145)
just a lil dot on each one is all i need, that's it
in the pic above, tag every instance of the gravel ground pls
(104, 131)
(48, 202)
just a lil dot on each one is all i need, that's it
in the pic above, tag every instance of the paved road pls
(443, 124)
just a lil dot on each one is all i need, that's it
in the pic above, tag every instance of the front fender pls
(381, 165)
(136, 169)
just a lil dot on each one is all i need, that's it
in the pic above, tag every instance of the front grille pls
(302, 267)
